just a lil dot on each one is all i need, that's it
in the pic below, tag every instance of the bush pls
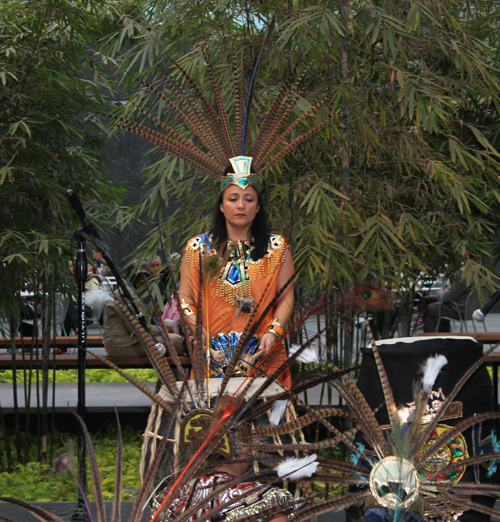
(36, 482)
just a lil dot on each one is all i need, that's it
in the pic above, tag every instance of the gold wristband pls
(275, 328)
(187, 310)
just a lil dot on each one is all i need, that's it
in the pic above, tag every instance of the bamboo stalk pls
(6, 438)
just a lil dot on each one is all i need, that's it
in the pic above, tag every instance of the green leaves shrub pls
(36, 482)
(92, 375)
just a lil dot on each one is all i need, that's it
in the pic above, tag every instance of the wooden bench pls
(70, 341)
(67, 361)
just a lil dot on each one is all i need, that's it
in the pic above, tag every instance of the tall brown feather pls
(336, 504)
(277, 120)
(296, 142)
(38, 512)
(257, 411)
(271, 116)
(157, 360)
(192, 118)
(272, 145)
(116, 513)
(384, 380)
(238, 102)
(137, 383)
(226, 130)
(469, 504)
(183, 142)
(486, 457)
(211, 138)
(299, 422)
(457, 429)
(207, 108)
(271, 139)
(366, 418)
(167, 144)
(150, 475)
(94, 470)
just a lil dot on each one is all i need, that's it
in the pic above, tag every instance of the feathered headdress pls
(225, 153)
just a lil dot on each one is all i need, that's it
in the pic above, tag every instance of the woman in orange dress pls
(255, 266)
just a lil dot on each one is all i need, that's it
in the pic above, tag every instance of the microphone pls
(480, 314)
(75, 202)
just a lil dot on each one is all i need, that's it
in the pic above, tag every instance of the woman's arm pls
(186, 294)
(284, 305)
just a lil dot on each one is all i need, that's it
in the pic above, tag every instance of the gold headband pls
(242, 176)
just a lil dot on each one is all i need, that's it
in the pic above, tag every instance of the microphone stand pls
(82, 234)
(81, 278)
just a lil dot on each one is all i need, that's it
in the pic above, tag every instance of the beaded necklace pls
(244, 304)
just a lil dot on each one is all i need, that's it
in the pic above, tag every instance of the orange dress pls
(220, 294)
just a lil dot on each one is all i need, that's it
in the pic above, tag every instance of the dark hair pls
(258, 231)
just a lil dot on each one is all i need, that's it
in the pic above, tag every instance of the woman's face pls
(240, 206)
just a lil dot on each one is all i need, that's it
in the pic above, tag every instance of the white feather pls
(277, 411)
(309, 355)
(431, 368)
(296, 469)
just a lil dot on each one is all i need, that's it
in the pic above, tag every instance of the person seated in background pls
(154, 265)
(160, 274)
(449, 302)
(100, 265)
(171, 316)
(120, 339)
(72, 321)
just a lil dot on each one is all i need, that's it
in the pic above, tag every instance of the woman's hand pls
(267, 342)
(217, 355)
(194, 334)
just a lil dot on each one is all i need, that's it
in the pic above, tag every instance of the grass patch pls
(36, 482)
(91, 375)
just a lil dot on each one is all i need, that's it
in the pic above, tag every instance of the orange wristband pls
(275, 328)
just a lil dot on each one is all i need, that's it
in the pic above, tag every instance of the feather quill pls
(38, 512)
(384, 379)
(226, 131)
(116, 514)
(94, 470)
(298, 423)
(251, 88)
(152, 471)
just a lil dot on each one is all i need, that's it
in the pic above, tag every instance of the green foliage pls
(36, 482)
(91, 375)
(51, 71)
(404, 181)
(51, 85)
